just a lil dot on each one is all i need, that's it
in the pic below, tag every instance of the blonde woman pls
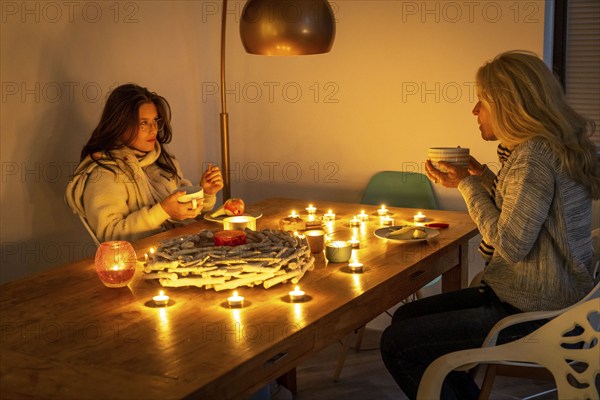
(534, 217)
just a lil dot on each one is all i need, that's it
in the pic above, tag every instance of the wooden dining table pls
(64, 335)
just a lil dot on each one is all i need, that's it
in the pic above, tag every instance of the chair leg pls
(342, 357)
(360, 333)
(488, 381)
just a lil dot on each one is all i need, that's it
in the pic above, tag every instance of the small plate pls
(384, 232)
(220, 218)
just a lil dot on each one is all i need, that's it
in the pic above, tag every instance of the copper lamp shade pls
(287, 27)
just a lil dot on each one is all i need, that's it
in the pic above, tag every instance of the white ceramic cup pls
(338, 251)
(458, 156)
(239, 222)
(193, 194)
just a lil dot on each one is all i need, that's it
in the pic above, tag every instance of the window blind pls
(582, 59)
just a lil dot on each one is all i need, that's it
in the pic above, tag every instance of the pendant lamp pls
(287, 27)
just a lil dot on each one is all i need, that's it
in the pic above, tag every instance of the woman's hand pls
(212, 180)
(449, 179)
(475, 167)
(180, 211)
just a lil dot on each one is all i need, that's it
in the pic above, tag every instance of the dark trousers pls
(426, 329)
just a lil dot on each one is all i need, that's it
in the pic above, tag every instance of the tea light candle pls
(419, 217)
(382, 211)
(296, 294)
(354, 222)
(354, 242)
(293, 214)
(161, 299)
(330, 216)
(362, 216)
(235, 300)
(311, 210)
(387, 221)
(355, 266)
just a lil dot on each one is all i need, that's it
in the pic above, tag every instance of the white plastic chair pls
(89, 229)
(544, 347)
(493, 369)
(516, 369)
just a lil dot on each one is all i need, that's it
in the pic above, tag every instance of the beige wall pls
(399, 79)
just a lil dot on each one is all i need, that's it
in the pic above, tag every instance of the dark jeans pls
(423, 330)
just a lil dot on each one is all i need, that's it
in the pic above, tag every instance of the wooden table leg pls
(289, 381)
(457, 277)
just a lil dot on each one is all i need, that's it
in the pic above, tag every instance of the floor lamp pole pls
(224, 116)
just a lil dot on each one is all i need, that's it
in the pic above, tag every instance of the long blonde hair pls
(527, 101)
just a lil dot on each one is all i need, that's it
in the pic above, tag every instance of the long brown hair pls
(527, 101)
(119, 124)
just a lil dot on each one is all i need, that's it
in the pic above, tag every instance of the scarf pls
(130, 166)
(486, 249)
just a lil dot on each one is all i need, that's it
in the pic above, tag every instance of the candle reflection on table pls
(236, 313)
(164, 320)
(356, 279)
(363, 230)
(329, 227)
(298, 312)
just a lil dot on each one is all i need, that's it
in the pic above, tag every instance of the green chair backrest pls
(400, 189)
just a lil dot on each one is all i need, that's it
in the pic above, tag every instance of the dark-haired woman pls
(126, 184)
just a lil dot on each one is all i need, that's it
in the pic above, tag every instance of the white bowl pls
(458, 156)
(193, 194)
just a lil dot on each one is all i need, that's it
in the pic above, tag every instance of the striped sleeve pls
(526, 189)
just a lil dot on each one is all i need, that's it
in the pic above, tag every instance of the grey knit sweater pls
(539, 224)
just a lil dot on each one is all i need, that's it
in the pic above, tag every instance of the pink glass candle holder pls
(115, 263)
